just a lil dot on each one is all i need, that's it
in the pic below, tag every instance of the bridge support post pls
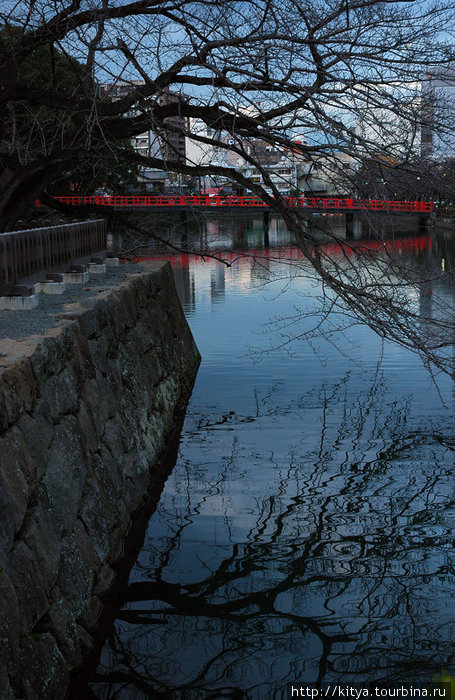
(349, 225)
(425, 222)
(265, 227)
(353, 225)
(184, 228)
(240, 236)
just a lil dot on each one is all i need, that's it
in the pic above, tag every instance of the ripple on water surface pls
(306, 531)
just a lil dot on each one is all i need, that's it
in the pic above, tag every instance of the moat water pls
(307, 531)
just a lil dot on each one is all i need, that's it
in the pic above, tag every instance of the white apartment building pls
(438, 114)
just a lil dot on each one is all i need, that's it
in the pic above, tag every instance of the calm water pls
(306, 532)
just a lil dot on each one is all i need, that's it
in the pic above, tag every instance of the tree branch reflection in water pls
(327, 563)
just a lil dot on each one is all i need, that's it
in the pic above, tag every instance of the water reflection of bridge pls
(258, 263)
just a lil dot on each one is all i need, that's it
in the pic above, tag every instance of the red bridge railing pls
(320, 203)
(33, 251)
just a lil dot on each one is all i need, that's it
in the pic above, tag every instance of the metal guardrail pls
(318, 203)
(34, 251)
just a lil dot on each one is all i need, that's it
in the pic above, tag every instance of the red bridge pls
(315, 203)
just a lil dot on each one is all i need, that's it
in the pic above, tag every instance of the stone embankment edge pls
(84, 418)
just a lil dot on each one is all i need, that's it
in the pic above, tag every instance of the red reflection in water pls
(414, 244)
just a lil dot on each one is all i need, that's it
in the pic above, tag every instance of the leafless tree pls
(317, 577)
(342, 77)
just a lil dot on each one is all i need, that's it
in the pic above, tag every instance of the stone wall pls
(84, 416)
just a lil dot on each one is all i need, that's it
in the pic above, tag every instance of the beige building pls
(168, 143)
(332, 174)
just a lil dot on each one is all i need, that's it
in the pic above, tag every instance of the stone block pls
(112, 262)
(31, 591)
(86, 549)
(51, 357)
(130, 300)
(117, 544)
(89, 323)
(104, 581)
(96, 268)
(93, 517)
(14, 493)
(98, 355)
(19, 303)
(59, 622)
(115, 436)
(88, 426)
(10, 625)
(18, 392)
(89, 619)
(18, 447)
(123, 315)
(40, 536)
(108, 342)
(83, 363)
(111, 485)
(50, 287)
(43, 672)
(76, 277)
(75, 580)
(100, 398)
(10, 517)
(60, 394)
(37, 433)
(105, 311)
(66, 473)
